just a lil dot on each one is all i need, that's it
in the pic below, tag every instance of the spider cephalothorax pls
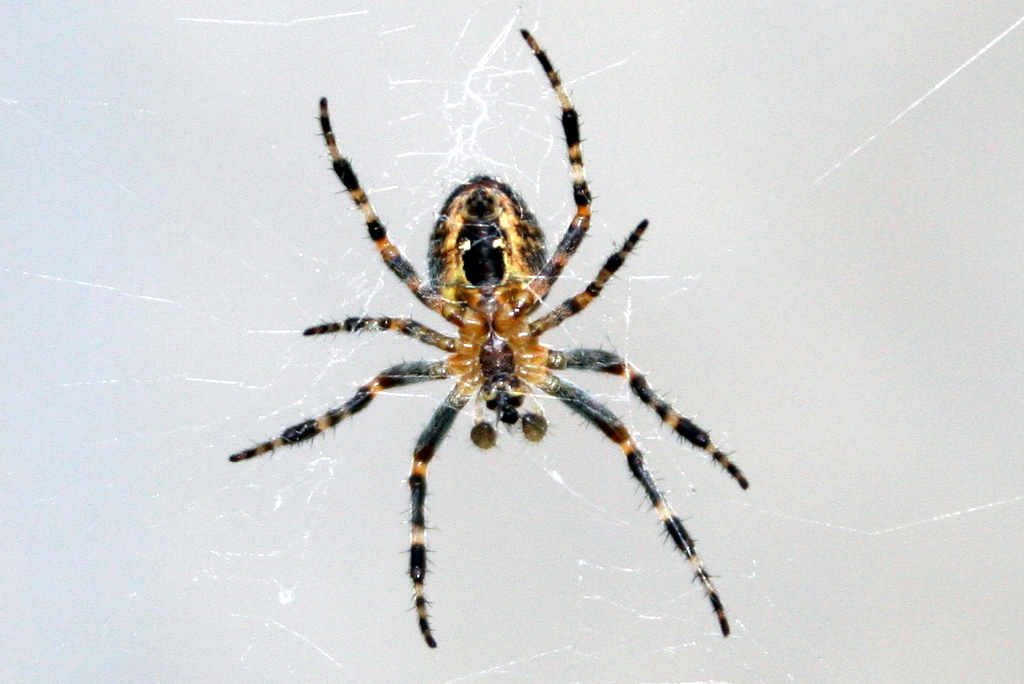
(488, 272)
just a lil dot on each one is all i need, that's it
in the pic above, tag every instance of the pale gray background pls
(170, 223)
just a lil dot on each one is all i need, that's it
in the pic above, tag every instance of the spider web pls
(830, 283)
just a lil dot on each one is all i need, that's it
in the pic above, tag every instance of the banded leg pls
(396, 376)
(576, 304)
(406, 326)
(599, 416)
(391, 255)
(431, 437)
(580, 189)
(608, 362)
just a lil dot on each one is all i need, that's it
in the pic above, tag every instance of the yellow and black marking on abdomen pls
(485, 236)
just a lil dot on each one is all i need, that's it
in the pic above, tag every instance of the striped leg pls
(607, 362)
(580, 190)
(432, 435)
(599, 416)
(391, 255)
(576, 304)
(406, 326)
(396, 376)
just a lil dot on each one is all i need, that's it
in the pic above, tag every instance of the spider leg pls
(599, 415)
(431, 437)
(547, 276)
(396, 376)
(608, 362)
(392, 256)
(406, 326)
(574, 305)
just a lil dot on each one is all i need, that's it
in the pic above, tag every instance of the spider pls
(488, 272)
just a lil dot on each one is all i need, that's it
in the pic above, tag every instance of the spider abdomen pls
(484, 237)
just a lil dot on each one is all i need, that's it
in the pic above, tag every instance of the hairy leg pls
(599, 416)
(608, 362)
(396, 376)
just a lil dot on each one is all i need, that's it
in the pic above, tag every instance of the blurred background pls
(831, 284)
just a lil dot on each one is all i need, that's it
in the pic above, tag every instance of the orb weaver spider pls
(488, 272)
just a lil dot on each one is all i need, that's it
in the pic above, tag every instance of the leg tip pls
(530, 41)
(428, 636)
(724, 624)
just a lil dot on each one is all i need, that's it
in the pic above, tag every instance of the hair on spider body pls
(488, 273)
